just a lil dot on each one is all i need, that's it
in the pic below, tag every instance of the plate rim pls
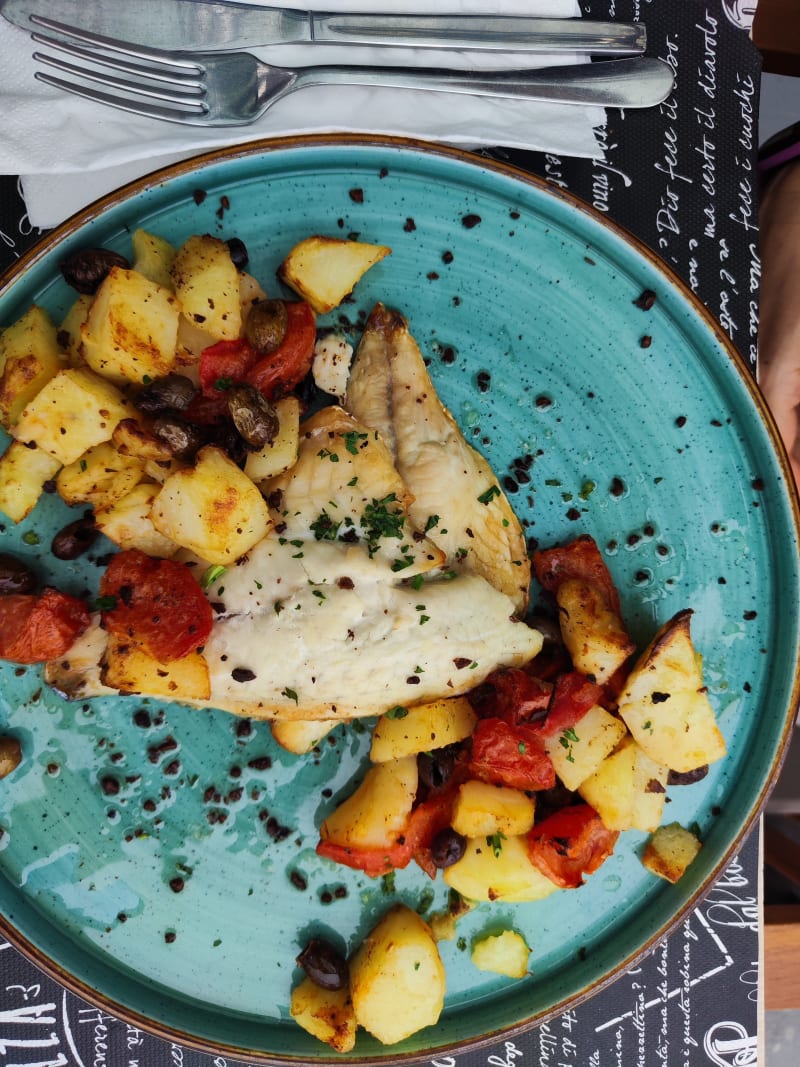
(473, 160)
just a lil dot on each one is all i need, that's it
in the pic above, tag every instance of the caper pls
(253, 416)
(74, 539)
(434, 768)
(447, 848)
(10, 754)
(15, 576)
(266, 325)
(324, 965)
(87, 268)
(182, 438)
(174, 392)
(238, 251)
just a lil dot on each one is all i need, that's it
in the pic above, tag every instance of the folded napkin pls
(69, 151)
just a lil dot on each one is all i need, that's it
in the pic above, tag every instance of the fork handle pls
(481, 32)
(640, 82)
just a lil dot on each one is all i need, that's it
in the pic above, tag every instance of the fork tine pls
(152, 111)
(190, 99)
(110, 44)
(119, 62)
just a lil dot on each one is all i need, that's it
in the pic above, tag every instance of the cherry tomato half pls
(511, 755)
(570, 843)
(35, 627)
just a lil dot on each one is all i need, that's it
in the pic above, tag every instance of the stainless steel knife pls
(191, 25)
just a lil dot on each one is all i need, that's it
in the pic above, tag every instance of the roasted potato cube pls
(152, 257)
(407, 731)
(131, 331)
(127, 522)
(498, 868)
(594, 634)
(75, 410)
(100, 477)
(29, 357)
(324, 270)
(300, 735)
(665, 704)
(23, 473)
(212, 508)
(249, 292)
(504, 953)
(325, 1013)
(397, 979)
(578, 752)
(10, 754)
(69, 332)
(482, 809)
(670, 850)
(628, 789)
(281, 454)
(207, 285)
(132, 438)
(375, 815)
(131, 670)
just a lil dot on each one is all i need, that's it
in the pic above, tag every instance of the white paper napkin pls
(69, 151)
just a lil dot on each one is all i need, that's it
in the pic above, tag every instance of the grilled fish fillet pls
(456, 496)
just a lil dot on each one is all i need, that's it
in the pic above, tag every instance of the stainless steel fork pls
(234, 89)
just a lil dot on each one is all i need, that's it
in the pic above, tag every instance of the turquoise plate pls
(526, 303)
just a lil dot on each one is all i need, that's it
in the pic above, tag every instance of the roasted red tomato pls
(156, 603)
(510, 755)
(581, 559)
(223, 364)
(514, 696)
(278, 373)
(36, 627)
(573, 695)
(372, 861)
(570, 843)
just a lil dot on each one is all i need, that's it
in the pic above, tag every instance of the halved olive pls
(182, 438)
(86, 269)
(238, 251)
(74, 539)
(175, 391)
(266, 325)
(253, 416)
(447, 848)
(324, 964)
(15, 576)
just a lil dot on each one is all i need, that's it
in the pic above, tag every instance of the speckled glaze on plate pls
(152, 860)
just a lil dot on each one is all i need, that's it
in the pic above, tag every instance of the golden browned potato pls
(628, 789)
(324, 270)
(497, 868)
(100, 477)
(131, 330)
(397, 979)
(505, 953)
(152, 257)
(10, 754)
(23, 473)
(207, 285)
(212, 508)
(69, 331)
(407, 731)
(670, 850)
(665, 704)
(482, 809)
(29, 357)
(127, 522)
(376, 813)
(280, 454)
(131, 670)
(578, 752)
(75, 410)
(325, 1013)
(594, 634)
(299, 735)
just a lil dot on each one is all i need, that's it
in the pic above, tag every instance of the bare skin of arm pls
(779, 318)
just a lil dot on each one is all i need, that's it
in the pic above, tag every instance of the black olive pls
(227, 437)
(447, 848)
(253, 416)
(324, 965)
(174, 392)
(182, 438)
(434, 768)
(86, 269)
(74, 539)
(266, 325)
(15, 576)
(687, 777)
(238, 251)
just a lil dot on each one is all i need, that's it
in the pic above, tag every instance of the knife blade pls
(191, 25)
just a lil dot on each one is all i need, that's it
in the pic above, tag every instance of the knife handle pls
(488, 33)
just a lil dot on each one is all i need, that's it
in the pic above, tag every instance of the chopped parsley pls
(489, 495)
(211, 574)
(495, 842)
(380, 520)
(290, 694)
(397, 712)
(106, 603)
(222, 385)
(351, 439)
(324, 528)
(325, 453)
(433, 520)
